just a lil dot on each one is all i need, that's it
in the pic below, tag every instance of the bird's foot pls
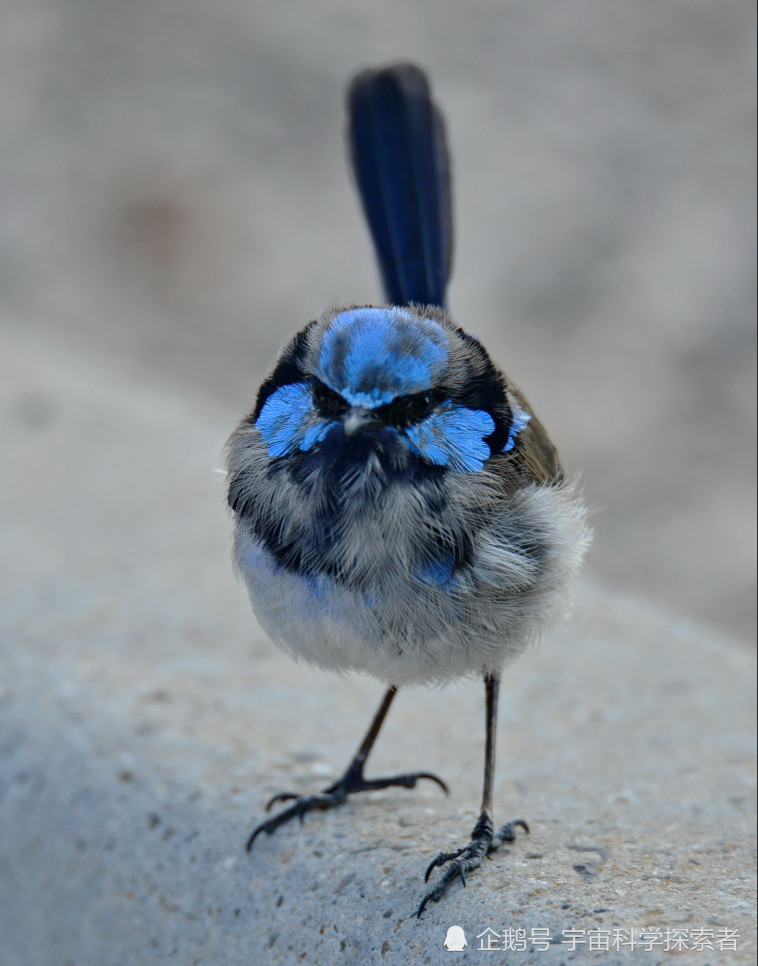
(462, 861)
(350, 783)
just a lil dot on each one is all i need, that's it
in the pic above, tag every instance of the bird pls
(399, 509)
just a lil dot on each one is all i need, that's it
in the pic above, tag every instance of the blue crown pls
(370, 356)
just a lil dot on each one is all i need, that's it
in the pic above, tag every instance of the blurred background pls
(176, 200)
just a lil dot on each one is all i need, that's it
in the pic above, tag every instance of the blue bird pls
(399, 509)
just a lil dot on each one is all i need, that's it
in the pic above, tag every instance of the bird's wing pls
(534, 458)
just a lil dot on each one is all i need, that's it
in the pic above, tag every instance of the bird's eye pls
(419, 406)
(407, 410)
(328, 402)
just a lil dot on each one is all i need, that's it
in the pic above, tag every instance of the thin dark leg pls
(352, 781)
(483, 837)
(356, 765)
(492, 693)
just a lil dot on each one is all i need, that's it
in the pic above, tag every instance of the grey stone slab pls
(145, 721)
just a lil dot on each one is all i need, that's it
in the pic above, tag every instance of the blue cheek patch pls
(280, 422)
(372, 355)
(520, 419)
(283, 420)
(453, 437)
(283, 416)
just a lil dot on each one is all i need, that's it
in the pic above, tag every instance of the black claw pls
(422, 906)
(434, 778)
(465, 860)
(351, 782)
(281, 797)
(268, 827)
(435, 894)
(507, 833)
(254, 835)
(441, 859)
(302, 805)
(410, 780)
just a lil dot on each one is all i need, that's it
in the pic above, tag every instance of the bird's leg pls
(352, 781)
(484, 838)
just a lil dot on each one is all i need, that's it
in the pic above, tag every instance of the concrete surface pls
(144, 722)
(175, 193)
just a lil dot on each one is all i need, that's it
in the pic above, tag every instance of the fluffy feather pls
(416, 553)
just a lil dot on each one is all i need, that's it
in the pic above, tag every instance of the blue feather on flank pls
(437, 572)
(399, 156)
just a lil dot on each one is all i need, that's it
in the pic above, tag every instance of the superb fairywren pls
(399, 508)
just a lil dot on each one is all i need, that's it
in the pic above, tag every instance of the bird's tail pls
(397, 144)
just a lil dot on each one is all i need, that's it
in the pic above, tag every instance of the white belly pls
(409, 629)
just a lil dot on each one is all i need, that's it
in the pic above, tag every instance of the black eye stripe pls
(401, 413)
(328, 402)
(408, 410)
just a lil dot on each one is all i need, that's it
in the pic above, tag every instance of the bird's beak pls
(358, 418)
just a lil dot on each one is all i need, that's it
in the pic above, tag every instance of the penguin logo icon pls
(455, 940)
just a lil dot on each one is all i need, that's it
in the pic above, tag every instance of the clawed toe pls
(507, 832)
(350, 783)
(465, 860)
(303, 804)
(432, 778)
(441, 859)
(281, 797)
(408, 780)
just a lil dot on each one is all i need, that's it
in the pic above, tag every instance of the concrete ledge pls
(144, 722)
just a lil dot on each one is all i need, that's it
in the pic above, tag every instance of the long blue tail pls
(400, 159)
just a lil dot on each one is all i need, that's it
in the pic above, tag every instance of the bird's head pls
(394, 388)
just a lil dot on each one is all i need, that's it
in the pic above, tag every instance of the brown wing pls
(534, 459)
